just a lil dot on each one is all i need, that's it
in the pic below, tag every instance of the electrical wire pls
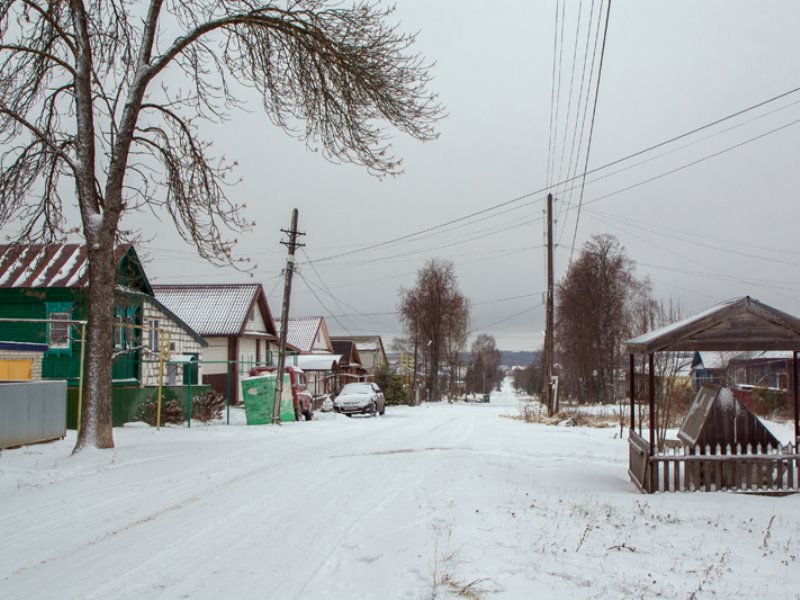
(321, 303)
(591, 127)
(552, 99)
(568, 180)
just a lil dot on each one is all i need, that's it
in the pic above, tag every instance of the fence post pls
(228, 397)
(80, 379)
(189, 420)
(160, 380)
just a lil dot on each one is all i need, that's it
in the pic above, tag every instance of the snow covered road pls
(420, 503)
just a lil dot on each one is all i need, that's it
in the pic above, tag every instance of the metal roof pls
(318, 362)
(365, 343)
(736, 325)
(210, 309)
(302, 332)
(46, 266)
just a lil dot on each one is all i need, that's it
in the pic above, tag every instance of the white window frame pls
(154, 339)
(64, 342)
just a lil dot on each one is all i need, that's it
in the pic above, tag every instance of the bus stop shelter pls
(738, 325)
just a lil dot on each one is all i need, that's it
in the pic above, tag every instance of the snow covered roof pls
(302, 332)
(220, 309)
(712, 360)
(365, 343)
(347, 348)
(55, 265)
(735, 325)
(318, 362)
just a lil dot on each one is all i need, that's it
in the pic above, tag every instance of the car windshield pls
(357, 388)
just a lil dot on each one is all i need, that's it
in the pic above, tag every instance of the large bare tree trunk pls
(96, 424)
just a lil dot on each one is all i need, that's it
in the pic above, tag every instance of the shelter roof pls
(63, 266)
(219, 309)
(740, 324)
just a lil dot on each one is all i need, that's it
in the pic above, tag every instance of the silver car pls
(360, 399)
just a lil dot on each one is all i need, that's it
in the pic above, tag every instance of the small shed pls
(738, 325)
(718, 419)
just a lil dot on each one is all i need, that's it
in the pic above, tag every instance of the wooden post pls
(632, 391)
(794, 386)
(287, 295)
(552, 403)
(651, 385)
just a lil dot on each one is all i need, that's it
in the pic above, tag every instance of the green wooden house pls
(48, 283)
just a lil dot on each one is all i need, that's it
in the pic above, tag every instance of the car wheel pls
(348, 415)
(310, 415)
(383, 410)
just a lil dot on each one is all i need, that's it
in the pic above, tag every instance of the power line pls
(321, 303)
(558, 90)
(591, 127)
(342, 302)
(514, 316)
(632, 221)
(571, 85)
(552, 98)
(568, 180)
(702, 244)
(580, 99)
(565, 205)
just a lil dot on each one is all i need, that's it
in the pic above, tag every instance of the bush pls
(391, 385)
(171, 412)
(208, 406)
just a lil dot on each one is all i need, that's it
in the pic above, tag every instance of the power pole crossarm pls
(287, 295)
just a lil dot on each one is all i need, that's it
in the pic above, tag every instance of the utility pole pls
(552, 402)
(287, 295)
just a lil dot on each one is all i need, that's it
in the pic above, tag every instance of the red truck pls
(302, 398)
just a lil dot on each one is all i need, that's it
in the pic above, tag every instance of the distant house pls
(708, 367)
(308, 334)
(767, 369)
(236, 321)
(350, 368)
(43, 285)
(311, 338)
(370, 350)
(322, 372)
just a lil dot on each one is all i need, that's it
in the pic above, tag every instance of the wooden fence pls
(694, 469)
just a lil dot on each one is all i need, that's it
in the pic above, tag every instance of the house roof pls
(175, 319)
(318, 362)
(302, 332)
(219, 309)
(736, 325)
(365, 343)
(348, 350)
(63, 266)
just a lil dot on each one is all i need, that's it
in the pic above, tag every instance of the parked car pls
(360, 399)
(302, 398)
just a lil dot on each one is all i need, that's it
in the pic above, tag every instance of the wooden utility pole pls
(287, 294)
(552, 402)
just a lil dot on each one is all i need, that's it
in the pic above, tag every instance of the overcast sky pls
(725, 227)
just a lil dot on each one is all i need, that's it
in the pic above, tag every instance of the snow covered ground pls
(425, 502)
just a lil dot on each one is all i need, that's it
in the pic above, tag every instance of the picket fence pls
(766, 470)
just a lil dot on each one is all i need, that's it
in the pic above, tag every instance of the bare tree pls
(110, 95)
(484, 372)
(600, 300)
(435, 313)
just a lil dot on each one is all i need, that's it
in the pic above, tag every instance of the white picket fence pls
(693, 469)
